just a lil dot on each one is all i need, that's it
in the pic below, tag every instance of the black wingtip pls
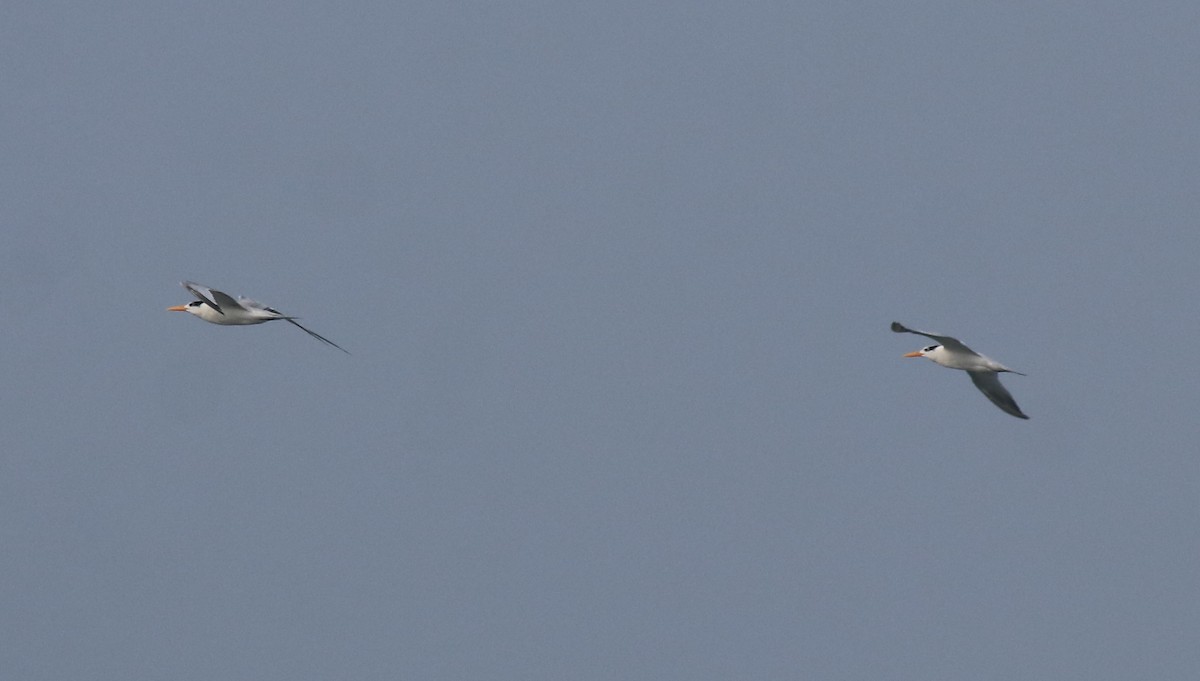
(898, 327)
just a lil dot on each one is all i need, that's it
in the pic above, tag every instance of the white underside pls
(964, 361)
(235, 317)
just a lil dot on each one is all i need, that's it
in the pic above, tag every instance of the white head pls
(933, 352)
(198, 308)
(190, 307)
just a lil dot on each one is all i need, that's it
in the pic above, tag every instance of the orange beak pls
(911, 354)
(177, 308)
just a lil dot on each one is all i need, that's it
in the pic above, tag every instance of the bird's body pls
(218, 307)
(984, 371)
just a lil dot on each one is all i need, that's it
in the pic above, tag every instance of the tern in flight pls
(984, 372)
(219, 307)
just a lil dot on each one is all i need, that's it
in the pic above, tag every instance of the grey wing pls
(989, 384)
(202, 293)
(225, 300)
(945, 341)
(255, 305)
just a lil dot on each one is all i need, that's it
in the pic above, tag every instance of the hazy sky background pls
(617, 279)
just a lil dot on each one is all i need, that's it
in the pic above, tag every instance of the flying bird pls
(219, 307)
(984, 372)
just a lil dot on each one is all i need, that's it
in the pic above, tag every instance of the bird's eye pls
(195, 303)
(931, 348)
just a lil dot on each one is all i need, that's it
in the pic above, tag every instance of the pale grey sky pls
(617, 279)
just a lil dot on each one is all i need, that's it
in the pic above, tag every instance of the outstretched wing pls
(989, 384)
(225, 300)
(251, 304)
(947, 342)
(202, 293)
